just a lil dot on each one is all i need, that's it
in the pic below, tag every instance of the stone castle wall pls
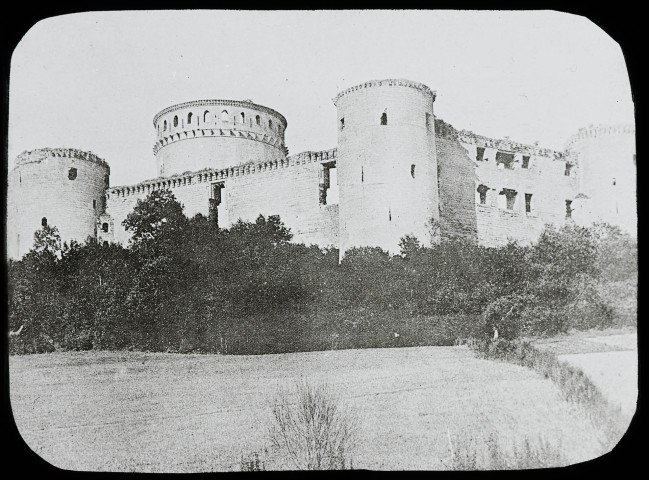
(290, 188)
(64, 187)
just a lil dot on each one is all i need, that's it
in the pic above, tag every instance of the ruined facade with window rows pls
(397, 170)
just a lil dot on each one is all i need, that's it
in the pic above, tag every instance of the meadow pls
(157, 412)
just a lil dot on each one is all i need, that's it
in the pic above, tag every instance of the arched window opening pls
(243, 117)
(189, 118)
(72, 174)
(270, 124)
(104, 227)
(482, 191)
(164, 129)
(224, 116)
(175, 120)
(206, 115)
(384, 118)
(258, 120)
(44, 222)
(105, 243)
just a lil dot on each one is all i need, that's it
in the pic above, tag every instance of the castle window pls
(44, 222)
(243, 117)
(479, 156)
(389, 215)
(428, 121)
(206, 116)
(104, 227)
(270, 124)
(164, 129)
(105, 243)
(258, 120)
(94, 204)
(482, 191)
(189, 118)
(505, 160)
(614, 181)
(568, 208)
(528, 203)
(225, 116)
(342, 123)
(175, 120)
(526, 161)
(106, 180)
(362, 174)
(72, 173)
(384, 118)
(412, 170)
(329, 184)
(566, 172)
(510, 197)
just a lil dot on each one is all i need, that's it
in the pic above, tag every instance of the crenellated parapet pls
(390, 82)
(208, 175)
(220, 132)
(595, 131)
(40, 154)
(447, 131)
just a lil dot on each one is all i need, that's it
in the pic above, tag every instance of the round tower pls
(387, 164)
(61, 187)
(216, 134)
(606, 158)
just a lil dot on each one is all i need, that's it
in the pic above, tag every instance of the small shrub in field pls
(251, 463)
(312, 430)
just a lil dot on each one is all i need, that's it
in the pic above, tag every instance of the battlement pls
(40, 154)
(594, 131)
(231, 103)
(447, 131)
(211, 175)
(396, 82)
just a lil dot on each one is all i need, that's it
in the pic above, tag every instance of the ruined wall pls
(216, 134)
(516, 189)
(62, 185)
(387, 169)
(288, 188)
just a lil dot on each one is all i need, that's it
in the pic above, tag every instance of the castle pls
(397, 170)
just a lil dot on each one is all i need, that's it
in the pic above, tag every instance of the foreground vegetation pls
(183, 285)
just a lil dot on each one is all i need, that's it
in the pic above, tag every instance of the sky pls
(94, 80)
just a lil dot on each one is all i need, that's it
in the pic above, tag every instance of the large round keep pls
(63, 188)
(216, 134)
(387, 164)
(607, 177)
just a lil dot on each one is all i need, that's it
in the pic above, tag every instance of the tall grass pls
(574, 385)
(312, 430)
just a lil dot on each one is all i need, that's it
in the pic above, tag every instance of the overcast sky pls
(94, 81)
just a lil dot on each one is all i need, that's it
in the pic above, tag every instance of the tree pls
(47, 241)
(155, 217)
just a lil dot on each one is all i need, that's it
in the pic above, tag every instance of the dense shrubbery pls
(184, 285)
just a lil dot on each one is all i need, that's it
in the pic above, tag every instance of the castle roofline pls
(230, 103)
(396, 82)
(593, 131)
(40, 154)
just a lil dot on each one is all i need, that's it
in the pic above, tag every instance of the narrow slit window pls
(568, 208)
(526, 161)
(566, 172)
(362, 175)
(384, 118)
(412, 170)
(479, 156)
(614, 181)
(175, 120)
(189, 118)
(428, 121)
(94, 204)
(164, 129)
(528, 203)
(270, 124)
(243, 118)
(258, 120)
(342, 123)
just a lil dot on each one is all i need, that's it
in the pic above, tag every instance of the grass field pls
(189, 413)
